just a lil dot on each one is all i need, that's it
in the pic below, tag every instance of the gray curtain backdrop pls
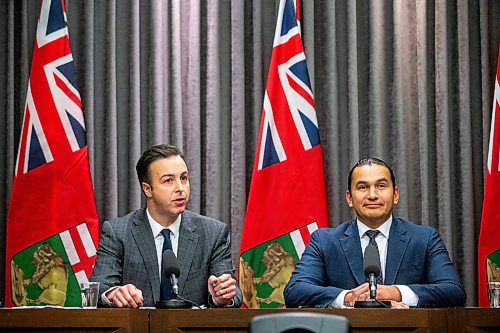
(408, 81)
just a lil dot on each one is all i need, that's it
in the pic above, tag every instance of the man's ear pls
(396, 195)
(146, 188)
(348, 198)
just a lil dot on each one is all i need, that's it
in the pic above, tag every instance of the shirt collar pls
(384, 228)
(157, 227)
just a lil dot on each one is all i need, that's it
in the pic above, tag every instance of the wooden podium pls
(236, 320)
(74, 320)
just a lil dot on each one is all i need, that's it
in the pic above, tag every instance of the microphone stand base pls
(173, 303)
(372, 304)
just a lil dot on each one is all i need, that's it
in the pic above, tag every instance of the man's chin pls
(179, 210)
(174, 211)
(371, 219)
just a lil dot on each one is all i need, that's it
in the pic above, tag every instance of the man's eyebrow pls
(173, 175)
(382, 179)
(166, 175)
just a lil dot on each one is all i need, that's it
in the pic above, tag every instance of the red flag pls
(52, 224)
(287, 199)
(489, 236)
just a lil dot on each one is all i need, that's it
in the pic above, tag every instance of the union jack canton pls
(288, 87)
(53, 75)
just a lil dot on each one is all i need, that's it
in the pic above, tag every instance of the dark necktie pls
(372, 234)
(165, 287)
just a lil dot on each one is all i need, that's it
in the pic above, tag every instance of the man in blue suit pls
(416, 268)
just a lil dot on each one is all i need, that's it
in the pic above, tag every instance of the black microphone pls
(171, 270)
(371, 267)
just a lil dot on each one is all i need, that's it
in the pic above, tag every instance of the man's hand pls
(386, 293)
(222, 288)
(360, 293)
(398, 305)
(389, 293)
(127, 296)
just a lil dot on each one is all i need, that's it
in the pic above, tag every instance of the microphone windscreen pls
(170, 264)
(371, 261)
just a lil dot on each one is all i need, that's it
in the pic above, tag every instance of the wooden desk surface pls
(237, 320)
(74, 320)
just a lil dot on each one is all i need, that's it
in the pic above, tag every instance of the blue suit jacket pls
(416, 257)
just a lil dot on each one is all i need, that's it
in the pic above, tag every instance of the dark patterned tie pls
(372, 234)
(165, 287)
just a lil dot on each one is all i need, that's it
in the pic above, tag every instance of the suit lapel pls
(145, 243)
(398, 242)
(351, 246)
(186, 248)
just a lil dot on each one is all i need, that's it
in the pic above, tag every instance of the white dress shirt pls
(174, 236)
(381, 240)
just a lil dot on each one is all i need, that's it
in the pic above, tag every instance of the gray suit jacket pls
(127, 254)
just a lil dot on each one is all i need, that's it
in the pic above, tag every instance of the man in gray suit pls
(129, 256)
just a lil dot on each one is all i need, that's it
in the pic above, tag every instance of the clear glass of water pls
(494, 293)
(90, 294)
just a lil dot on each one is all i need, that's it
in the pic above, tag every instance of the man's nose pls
(179, 186)
(373, 192)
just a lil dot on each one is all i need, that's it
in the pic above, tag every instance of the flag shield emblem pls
(41, 275)
(50, 271)
(265, 270)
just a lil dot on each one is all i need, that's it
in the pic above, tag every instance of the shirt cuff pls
(213, 303)
(408, 297)
(105, 300)
(338, 303)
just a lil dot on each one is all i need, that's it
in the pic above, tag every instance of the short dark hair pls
(152, 154)
(369, 161)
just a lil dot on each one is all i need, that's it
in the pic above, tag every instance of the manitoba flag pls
(52, 224)
(489, 235)
(287, 199)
